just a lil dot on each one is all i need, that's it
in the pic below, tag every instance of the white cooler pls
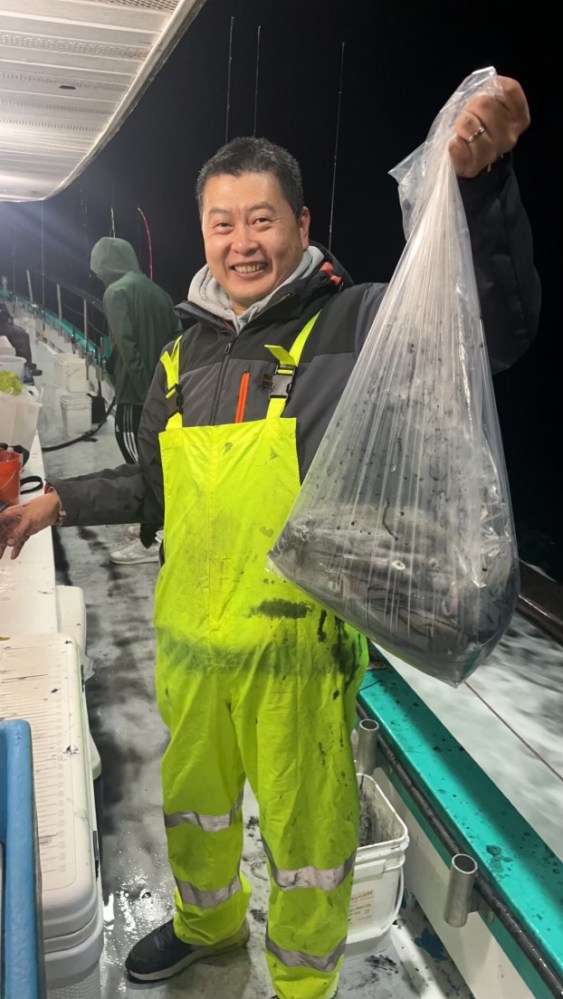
(40, 680)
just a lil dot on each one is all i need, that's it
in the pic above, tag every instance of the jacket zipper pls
(228, 349)
(221, 379)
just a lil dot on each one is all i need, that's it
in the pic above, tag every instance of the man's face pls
(253, 241)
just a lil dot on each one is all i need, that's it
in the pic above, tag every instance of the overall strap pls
(171, 363)
(286, 369)
(282, 381)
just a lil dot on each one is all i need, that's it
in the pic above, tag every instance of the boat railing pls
(75, 314)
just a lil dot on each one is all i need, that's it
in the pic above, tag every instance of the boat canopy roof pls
(70, 73)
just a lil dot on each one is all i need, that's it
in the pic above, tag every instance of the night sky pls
(401, 63)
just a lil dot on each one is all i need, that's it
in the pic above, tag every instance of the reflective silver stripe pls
(209, 823)
(131, 442)
(207, 899)
(310, 877)
(296, 959)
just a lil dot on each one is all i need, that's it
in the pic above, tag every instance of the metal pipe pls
(481, 887)
(366, 753)
(459, 900)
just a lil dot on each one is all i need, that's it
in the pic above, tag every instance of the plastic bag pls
(19, 416)
(403, 525)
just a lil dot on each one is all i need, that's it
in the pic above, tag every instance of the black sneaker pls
(161, 954)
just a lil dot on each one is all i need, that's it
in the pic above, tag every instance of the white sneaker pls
(134, 553)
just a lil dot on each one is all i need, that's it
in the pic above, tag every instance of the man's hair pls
(250, 155)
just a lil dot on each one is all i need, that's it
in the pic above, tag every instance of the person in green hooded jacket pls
(141, 321)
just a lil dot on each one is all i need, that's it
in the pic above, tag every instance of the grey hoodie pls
(207, 293)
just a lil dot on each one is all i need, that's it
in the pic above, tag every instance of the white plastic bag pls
(403, 525)
(19, 415)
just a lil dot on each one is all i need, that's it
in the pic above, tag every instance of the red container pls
(9, 476)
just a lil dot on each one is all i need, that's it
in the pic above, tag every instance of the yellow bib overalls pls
(254, 680)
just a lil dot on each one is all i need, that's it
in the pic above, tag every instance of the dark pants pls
(127, 419)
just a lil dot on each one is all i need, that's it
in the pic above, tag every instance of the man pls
(18, 338)
(254, 680)
(141, 321)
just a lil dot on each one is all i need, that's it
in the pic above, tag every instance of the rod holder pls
(459, 899)
(366, 749)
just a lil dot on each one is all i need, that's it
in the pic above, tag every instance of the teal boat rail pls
(517, 870)
(97, 353)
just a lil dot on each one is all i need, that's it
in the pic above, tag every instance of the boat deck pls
(507, 717)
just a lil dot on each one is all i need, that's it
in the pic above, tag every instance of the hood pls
(111, 258)
(206, 294)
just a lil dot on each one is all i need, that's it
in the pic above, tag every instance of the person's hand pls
(489, 126)
(18, 523)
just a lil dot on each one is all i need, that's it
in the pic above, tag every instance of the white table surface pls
(28, 601)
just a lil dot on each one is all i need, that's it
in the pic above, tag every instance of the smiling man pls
(254, 680)
(255, 238)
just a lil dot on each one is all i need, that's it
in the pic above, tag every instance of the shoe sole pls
(199, 955)
(118, 560)
(135, 561)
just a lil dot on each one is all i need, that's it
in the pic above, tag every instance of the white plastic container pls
(6, 348)
(19, 415)
(71, 612)
(77, 414)
(70, 372)
(40, 680)
(377, 890)
(9, 362)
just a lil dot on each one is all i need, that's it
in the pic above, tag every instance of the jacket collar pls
(290, 301)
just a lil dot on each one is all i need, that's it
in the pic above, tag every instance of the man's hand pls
(18, 523)
(489, 126)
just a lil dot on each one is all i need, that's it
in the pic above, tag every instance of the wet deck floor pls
(131, 737)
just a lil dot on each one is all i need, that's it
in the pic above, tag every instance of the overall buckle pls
(282, 381)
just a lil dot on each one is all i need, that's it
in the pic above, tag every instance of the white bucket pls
(19, 415)
(77, 414)
(70, 372)
(12, 363)
(377, 890)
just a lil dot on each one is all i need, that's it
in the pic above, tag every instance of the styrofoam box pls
(12, 363)
(377, 889)
(49, 695)
(6, 348)
(70, 372)
(77, 414)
